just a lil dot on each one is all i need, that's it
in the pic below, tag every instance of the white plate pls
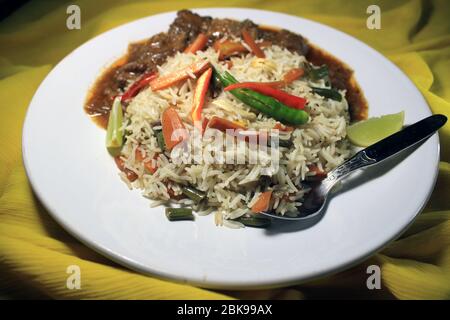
(73, 175)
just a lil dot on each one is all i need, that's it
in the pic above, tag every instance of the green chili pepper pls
(328, 93)
(193, 194)
(114, 131)
(176, 214)
(259, 221)
(264, 104)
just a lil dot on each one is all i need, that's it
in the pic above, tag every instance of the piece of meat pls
(220, 28)
(286, 39)
(185, 28)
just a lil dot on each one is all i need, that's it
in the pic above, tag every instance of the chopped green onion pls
(176, 214)
(160, 140)
(114, 132)
(256, 221)
(193, 194)
(328, 93)
(318, 73)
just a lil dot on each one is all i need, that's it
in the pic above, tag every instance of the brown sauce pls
(145, 55)
(342, 77)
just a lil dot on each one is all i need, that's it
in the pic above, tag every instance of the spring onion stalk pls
(160, 140)
(328, 93)
(255, 221)
(114, 132)
(319, 73)
(177, 214)
(193, 194)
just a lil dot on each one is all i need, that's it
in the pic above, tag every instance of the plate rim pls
(161, 274)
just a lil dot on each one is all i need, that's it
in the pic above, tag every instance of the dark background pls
(9, 6)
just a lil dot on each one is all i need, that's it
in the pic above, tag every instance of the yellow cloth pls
(35, 251)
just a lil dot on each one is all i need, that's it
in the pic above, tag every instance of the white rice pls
(233, 189)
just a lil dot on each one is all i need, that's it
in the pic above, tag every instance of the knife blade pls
(405, 138)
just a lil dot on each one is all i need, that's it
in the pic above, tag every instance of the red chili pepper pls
(284, 97)
(199, 97)
(134, 89)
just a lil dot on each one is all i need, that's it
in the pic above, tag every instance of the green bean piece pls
(160, 140)
(255, 221)
(285, 143)
(264, 104)
(193, 194)
(114, 131)
(328, 93)
(177, 214)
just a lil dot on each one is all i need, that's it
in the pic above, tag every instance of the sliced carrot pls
(239, 131)
(172, 128)
(293, 75)
(228, 48)
(224, 124)
(148, 165)
(252, 44)
(263, 202)
(282, 127)
(198, 44)
(131, 175)
(168, 80)
(200, 91)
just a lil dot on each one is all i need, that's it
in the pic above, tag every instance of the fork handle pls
(358, 161)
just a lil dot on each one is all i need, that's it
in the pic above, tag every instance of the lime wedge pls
(367, 132)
